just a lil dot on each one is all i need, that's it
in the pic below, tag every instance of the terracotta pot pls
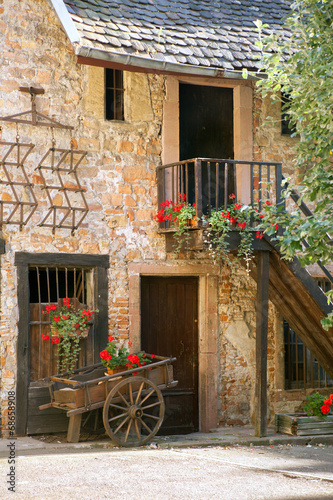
(116, 370)
(192, 223)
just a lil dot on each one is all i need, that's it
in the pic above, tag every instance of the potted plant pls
(117, 359)
(315, 420)
(68, 325)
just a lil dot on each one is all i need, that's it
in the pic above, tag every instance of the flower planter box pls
(298, 424)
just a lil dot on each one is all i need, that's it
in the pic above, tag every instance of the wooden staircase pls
(297, 296)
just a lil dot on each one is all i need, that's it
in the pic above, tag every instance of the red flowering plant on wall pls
(68, 325)
(114, 357)
(237, 216)
(317, 405)
(180, 215)
(176, 213)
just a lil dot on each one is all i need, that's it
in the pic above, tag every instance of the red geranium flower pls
(110, 338)
(325, 409)
(55, 340)
(45, 336)
(105, 355)
(56, 319)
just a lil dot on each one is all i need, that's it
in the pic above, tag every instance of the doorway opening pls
(206, 130)
(44, 279)
(169, 327)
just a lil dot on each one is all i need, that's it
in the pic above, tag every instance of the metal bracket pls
(37, 119)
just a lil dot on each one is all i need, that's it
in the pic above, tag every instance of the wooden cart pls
(132, 401)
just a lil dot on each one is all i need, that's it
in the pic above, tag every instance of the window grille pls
(114, 94)
(50, 285)
(286, 127)
(302, 370)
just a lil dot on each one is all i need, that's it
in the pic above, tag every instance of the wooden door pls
(206, 122)
(206, 131)
(169, 327)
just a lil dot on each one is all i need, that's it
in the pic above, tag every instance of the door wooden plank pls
(169, 308)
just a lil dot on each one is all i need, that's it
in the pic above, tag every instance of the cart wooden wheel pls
(133, 411)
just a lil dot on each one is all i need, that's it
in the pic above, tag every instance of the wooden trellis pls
(19, 202)
(68, 206)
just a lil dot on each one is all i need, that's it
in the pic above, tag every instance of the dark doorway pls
(169, 327)
(206, 131)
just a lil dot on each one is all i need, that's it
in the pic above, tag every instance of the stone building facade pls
(119, 178)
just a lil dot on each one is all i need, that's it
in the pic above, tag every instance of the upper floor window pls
(114, 94)
(286, 127)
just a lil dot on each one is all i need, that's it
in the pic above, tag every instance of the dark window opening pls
(50, 285)
(286, 127)
(114, 94)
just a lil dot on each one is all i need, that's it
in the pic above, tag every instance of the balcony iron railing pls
(208, 182)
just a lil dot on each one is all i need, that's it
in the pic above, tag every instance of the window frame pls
(23, 260)
(114, 109)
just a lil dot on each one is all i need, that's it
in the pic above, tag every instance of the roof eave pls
(99, 57)
(105, 58)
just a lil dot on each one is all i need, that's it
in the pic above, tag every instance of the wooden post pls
(74, 426)
(260, 429)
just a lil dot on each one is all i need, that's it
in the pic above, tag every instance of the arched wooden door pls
(169, 327)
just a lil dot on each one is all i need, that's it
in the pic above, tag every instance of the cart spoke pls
(112, 405)
(120, 425)
(122, 397)
(139, 393)
(131, 393)
(128, 429)
(118, 416)
(158, 403)
(137, 430)
(145, 425)
(148, 395)
(150, 416)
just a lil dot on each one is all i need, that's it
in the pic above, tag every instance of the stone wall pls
(119, 176)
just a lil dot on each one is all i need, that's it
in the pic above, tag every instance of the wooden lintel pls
(260, 429)
(32, 90)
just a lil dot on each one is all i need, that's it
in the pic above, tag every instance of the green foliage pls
(221, 222)
(313, 405)
(68, 326)
(302, 66)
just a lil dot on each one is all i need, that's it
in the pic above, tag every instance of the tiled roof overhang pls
(198, 37)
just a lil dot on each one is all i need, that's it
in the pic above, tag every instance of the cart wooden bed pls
(132, 401)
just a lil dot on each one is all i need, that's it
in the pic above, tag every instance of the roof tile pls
(208, 33)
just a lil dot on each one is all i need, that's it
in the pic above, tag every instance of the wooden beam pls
(260, 429)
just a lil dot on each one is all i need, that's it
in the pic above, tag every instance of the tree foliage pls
(300, 63)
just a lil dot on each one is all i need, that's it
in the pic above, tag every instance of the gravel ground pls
(275, 472)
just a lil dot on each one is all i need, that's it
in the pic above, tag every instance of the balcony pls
(208, 182)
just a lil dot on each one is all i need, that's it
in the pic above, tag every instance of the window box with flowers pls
(244, 219)
(68, 325)
(317, 419)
